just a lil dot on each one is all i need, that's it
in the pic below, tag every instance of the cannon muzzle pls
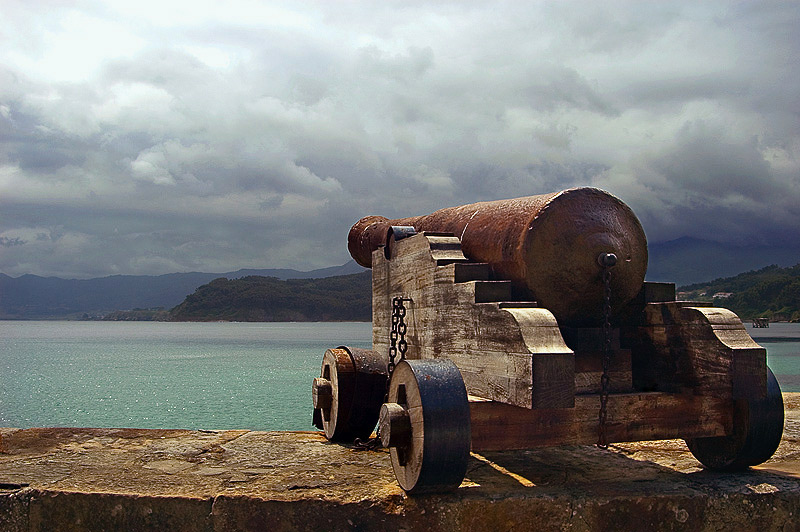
(547, 245)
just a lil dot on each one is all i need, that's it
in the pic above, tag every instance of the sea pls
(206, 376)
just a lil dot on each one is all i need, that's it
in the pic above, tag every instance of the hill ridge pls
(34, 297)
(770, 292)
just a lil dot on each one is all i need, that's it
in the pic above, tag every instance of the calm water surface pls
(782, 341)
(201, 375)
(165, 375)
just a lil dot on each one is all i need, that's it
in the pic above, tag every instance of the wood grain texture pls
(588, 346)
(514, 355)
(539, 382)
(631, 417)
(338, 369)
(705, 350)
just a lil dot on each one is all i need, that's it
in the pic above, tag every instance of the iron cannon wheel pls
(347, 395)
(429, 412)
(757, 431)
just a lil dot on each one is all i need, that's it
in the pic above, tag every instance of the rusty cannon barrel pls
(547, 245)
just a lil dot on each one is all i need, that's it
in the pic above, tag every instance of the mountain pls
(255, 298)
(691, 260)
(34, 297)
(682, 261)
(771, 292)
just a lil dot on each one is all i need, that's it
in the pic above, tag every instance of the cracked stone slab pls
(136, 479)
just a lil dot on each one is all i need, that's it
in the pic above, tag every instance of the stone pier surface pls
(134, 479)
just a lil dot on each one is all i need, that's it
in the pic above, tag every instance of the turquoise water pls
(201, 375)
(782, 341)
(165, 375)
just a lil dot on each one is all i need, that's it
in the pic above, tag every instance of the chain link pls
(397, 337)
(602, 436)
(397, 344)
(370, 444)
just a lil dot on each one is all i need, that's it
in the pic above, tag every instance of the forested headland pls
(255, 298)
(770, 292)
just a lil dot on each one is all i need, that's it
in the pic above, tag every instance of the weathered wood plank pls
(514, 355)
(490, 291)
(471, 271)
(589, 339)
(587, 382)
(703, 349)
(589, 368)
(631, 417)
(620, 360)
(553, 361)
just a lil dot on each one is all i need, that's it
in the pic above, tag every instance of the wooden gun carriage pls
(525, 323)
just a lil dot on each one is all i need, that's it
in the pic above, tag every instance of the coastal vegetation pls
(256, 298)
(771, 292)
(30, 297)
(137, 314)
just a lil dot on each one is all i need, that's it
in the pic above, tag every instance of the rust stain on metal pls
(547, 245)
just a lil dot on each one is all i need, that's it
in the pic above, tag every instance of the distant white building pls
(723, 295)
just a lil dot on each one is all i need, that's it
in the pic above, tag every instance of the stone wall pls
(125, 479)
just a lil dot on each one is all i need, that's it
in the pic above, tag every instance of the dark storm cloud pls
(213, 138)
(703, 161)
(35, 149)
(98, 241)
(707, 184)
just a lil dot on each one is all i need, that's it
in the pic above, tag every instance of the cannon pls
(527, 323)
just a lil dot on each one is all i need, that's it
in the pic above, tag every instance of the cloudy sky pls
(151, 137)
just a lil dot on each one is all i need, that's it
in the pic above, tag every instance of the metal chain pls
(402, 345)
(397, 336)
(602, 436)
(370, 444)
(397, 344)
